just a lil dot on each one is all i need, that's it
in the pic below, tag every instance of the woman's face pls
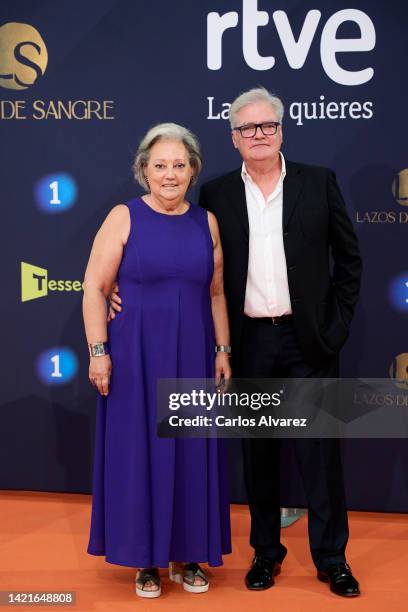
(168, 170)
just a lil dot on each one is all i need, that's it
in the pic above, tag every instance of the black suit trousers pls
(269, 351)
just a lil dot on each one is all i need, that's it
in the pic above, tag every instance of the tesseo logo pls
(23, 56)
(35, 283)
(400, 187)
(399, 370)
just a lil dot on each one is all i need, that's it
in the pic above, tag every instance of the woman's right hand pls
(100, 369)
(114, 302)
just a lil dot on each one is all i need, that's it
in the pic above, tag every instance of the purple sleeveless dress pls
(157, 500)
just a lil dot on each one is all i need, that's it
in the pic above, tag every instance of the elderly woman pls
(157, 501)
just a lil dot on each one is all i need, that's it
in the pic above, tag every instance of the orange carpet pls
(43, 548)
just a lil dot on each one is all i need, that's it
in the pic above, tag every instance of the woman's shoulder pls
(204, 214)
(117, 222)
(118, 214)
(123, 209)
(198, 210)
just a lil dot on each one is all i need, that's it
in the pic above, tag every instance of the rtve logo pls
(23, 56)
(296, 51)
(35, 283)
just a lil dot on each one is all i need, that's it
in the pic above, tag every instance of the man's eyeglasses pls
(268, 128)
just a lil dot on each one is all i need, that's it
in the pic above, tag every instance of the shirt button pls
(291, 268)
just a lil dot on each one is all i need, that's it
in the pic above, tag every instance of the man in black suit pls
(282, 225)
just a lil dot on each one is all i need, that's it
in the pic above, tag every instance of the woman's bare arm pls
(218, 302)
(102, 268)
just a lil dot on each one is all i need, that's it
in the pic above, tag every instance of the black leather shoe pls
(341, 580)
(262, 572)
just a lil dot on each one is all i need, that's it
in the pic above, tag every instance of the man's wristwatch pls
(223, 348)
(98, 349)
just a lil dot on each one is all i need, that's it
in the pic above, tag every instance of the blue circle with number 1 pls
(55, 193)
(57, 366)
(398, 292)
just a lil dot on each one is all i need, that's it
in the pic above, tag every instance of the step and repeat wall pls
(81, 82)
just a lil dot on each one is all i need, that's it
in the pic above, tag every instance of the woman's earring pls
(192, 180)
(147, 182)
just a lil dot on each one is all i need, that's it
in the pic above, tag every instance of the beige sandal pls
(148, 574)
(185, 574)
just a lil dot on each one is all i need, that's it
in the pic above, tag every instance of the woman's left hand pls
(222, 369)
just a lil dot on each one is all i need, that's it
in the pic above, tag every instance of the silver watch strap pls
(223, 348)
(98, 349)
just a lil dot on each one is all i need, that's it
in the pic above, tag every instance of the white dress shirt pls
(267, 290)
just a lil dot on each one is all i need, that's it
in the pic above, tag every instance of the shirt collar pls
(247, 177)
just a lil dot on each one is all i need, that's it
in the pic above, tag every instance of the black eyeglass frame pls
(256, 126)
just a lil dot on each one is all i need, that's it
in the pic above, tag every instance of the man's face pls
(259, 148)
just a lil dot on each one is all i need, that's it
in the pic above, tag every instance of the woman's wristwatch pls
(223, 348)
(98, 349)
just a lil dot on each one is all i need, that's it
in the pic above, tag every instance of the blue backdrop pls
(81, 82)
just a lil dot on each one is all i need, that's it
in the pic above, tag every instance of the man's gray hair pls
(258, 94)
(166, 131)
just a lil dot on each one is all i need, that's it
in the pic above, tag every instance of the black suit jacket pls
(322, 256)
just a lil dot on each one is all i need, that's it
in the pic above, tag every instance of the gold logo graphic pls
(35, 283)
(390, 217)
(399, 370)
(23, 56)
(400, 187)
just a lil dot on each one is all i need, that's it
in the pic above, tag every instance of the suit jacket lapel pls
(292, 186)
(235, 191)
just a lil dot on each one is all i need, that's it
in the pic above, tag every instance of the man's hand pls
(114, 302)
